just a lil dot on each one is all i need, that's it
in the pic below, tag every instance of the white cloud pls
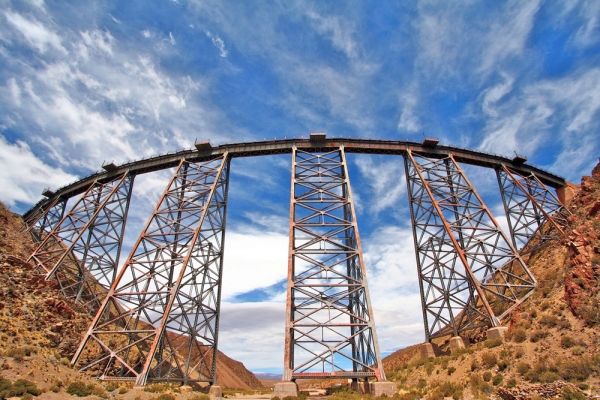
(35, 33)
(100, 99)
(526, 120)
(253, 260)
(23, 176)
(409, 121)
(114, 19)
(253, 333)
(219, 43)
(172, 39)
(386, 178)
(338, 31)
(394, 286)
(492, 95)
(146, 33)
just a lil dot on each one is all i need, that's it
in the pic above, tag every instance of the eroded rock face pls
(543, 390)
(582, 279)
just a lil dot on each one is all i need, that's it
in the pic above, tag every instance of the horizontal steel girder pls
(159, 321)
(330, 330)
(535, 216)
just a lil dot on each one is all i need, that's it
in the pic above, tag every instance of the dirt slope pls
(40, 330)
(553, 343)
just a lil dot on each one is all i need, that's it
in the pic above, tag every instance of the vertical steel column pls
(45, 219)
(492, 263)
(451, 296)
(330, 331)
(534, 214)
(160, 319)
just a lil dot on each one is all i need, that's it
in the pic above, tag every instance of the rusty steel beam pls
(535, 216)
(159, 321)
(330, 331)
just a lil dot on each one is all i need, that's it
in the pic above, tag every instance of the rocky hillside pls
(552, 347)
(40, 330)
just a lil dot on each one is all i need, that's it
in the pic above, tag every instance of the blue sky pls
(85, 82)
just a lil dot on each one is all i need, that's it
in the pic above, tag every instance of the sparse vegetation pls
(80, 389)
(21, 387)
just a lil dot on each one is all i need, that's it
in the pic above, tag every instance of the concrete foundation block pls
(456, 343)
(496, 332)
(381, 388)
(283, 389)
(186, 389)
(215, 392)
(426, 350)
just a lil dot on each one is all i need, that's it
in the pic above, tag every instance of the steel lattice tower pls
(85, 267)
(329, 325)
(497, 279)
(160, 319)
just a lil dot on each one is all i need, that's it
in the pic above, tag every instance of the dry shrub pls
(489, 359)
(446, 389)
(536, 336)
(519, 335)
(549, 320)
(487, 376)
(576, 370)
(567, 342)
(523, 368)
(491, 343)
(497, 379)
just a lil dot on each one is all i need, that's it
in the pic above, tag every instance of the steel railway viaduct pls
(157, 317)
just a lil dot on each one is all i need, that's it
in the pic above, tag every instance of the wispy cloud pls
(35, 33)
(386, 178)
(219, 43)
(25, 174)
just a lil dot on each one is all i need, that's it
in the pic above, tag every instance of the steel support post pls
(492, 264)
(45, 219)
(160, 319)
(330, 331)
(60, 254)
(535, 216)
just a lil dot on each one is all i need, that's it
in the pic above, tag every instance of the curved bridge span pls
(157, 317)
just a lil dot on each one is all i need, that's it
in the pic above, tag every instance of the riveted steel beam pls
(330, 331)
(159, 321)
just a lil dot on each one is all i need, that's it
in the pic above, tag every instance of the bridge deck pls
(284, 146)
